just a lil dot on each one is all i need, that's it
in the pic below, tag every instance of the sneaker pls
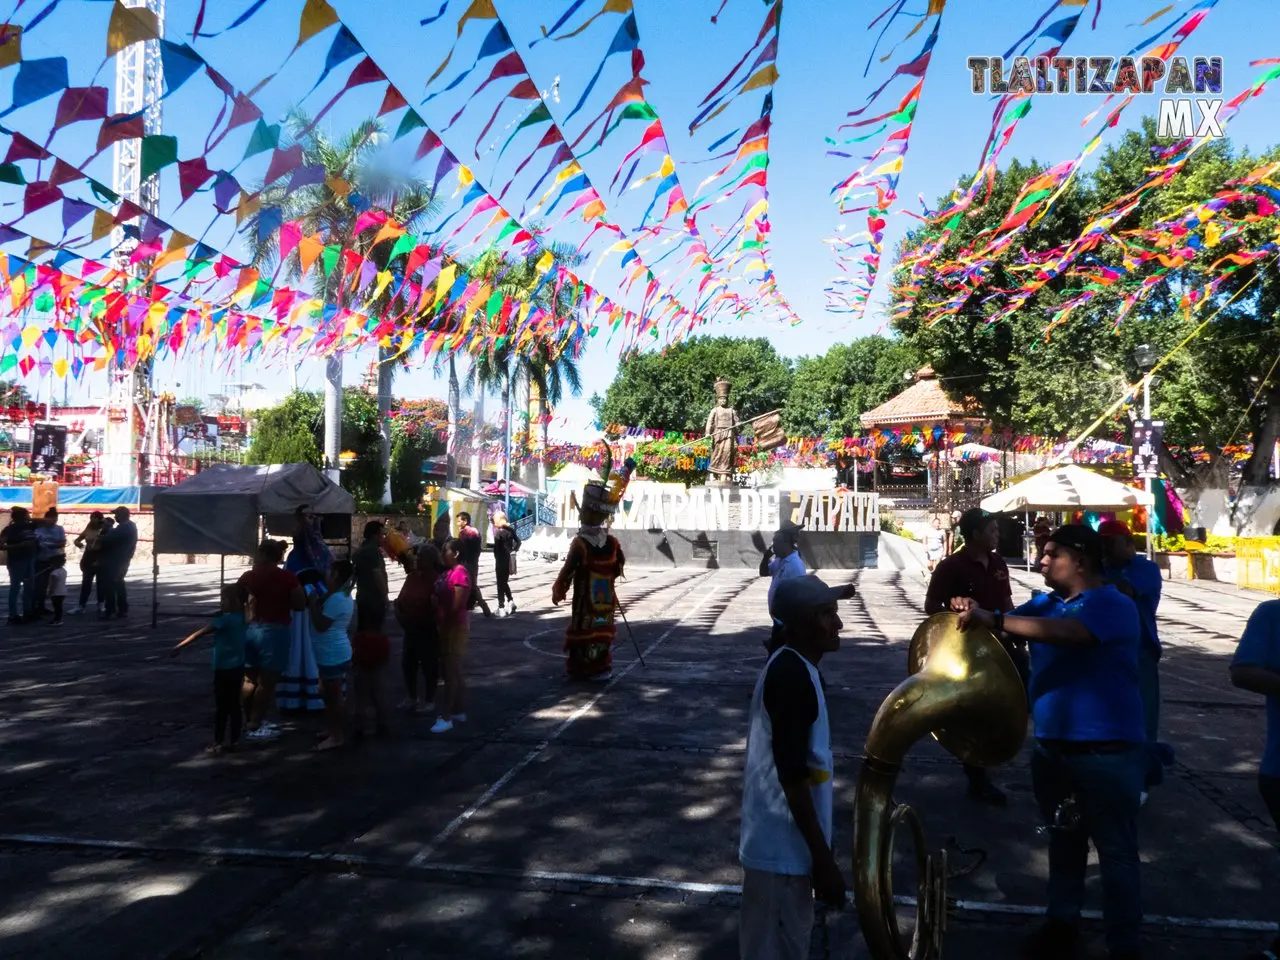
(1142, 798)
(78, 611)
(502, 612)
(513, 608)
(407, 705)
(56, 623)
(602, 677)
(441, 726)
(263, 733)
(459, 718)
(1055, 940)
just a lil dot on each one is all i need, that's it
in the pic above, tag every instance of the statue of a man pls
(722, 428)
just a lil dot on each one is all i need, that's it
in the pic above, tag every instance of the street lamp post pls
(1147, 357)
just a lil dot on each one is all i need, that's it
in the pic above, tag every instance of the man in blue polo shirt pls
(1256, 668)
(1139, 579)
(1088, 764)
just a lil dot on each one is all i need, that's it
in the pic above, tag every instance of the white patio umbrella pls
(1064, 489)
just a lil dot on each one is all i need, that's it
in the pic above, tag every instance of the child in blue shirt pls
(229, 634)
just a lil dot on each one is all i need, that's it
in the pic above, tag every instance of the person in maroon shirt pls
(975, 570)
(272, 595)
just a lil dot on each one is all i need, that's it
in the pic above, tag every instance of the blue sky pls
(824, 48)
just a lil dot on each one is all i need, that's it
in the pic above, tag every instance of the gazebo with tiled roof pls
(924, 403)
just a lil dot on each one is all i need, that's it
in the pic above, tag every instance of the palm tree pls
(544, 362)
(354, 165)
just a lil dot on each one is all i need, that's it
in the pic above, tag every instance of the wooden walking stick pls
(618, 603)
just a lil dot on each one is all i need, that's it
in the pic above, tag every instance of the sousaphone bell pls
(965, 692)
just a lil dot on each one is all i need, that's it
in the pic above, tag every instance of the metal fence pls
(1258, 563)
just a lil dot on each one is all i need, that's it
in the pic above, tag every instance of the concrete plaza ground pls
(562, 820)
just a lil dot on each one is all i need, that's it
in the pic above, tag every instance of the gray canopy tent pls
(225, 509)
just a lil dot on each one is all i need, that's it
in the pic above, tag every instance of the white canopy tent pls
(1061, 490)
(1066, 488)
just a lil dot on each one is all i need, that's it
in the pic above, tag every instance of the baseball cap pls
(1114, 528)
(799, 594)
(1078, 537)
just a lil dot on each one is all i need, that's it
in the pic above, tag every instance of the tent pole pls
(155, 586)
(1026, 519)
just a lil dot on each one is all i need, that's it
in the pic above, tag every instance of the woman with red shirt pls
(272, 596)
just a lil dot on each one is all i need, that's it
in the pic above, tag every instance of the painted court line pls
(597, 879)
(452, 826)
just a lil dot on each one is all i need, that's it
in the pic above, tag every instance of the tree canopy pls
(293, 433)
(1055, 382)
(675, 389)
(830, 392)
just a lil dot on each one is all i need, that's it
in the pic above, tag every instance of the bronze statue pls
(722, 428)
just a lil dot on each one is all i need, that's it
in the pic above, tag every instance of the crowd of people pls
(344, 606)
(35, 551)
(1088, 651)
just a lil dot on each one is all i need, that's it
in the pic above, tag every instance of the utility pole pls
(1151, 483)
(1146, 357)
(139, 87)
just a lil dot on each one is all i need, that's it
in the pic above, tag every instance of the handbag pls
(511, 564)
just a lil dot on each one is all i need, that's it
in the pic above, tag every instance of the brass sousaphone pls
(965, 691)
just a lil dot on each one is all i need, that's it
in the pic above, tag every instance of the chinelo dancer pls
(594, 563)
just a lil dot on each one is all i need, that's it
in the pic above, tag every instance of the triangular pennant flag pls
(192, 175)
(130, 25)
(178, 62)
(282, 162)
(120, 126)
(38, 79)
(309, 248)
(344, 47)
(410, 121)
(158, 151)
(80, 103)
(63, 172)
(10, 44)
(317, 15)
(262, 139)
(103, 224)
(392, 100)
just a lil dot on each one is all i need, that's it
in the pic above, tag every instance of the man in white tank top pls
(785, 848)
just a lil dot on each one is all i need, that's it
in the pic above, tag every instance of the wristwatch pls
(998, 625)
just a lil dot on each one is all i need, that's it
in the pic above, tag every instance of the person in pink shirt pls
(453, 593)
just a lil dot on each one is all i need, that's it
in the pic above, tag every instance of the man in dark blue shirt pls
(1088, 764)
(1140, 580)
(1256, 668)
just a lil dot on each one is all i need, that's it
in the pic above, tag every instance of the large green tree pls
(293, 432)
(675, 389)
(829, 392)
(1058, 381)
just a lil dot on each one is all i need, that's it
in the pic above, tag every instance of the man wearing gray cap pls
(785, 847)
